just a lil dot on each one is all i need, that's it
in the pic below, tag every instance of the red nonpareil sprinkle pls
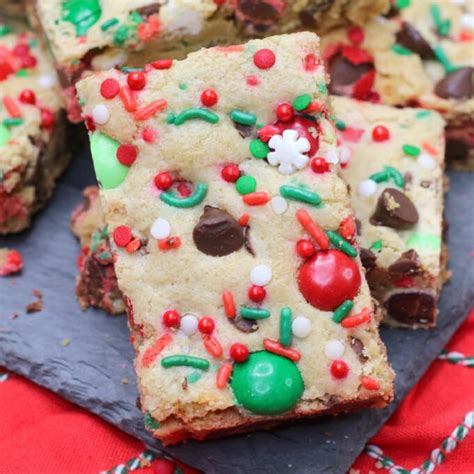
(212, 345)
(244, 219)
(267, 132)
(319, 165)
(357, 319)
(28, 61)
(339, 369)
(310, 62)
(136, 80)
(149, 29)
(256, 293)
(239, 352)
(133, 245)
(209, 97)
(264, 58)
(363, 87)
(11, 107)
(256, 199)
(229, 305)
(171, 318)
(380, 133)
(277, 348)
(128, 99)
(163, 181)
(312, 228)
(149, 135)
(122, 235)
(151, 109)
(253, 80)
(162, 64)
(405, 282)
(230, 173)
(171, 243)
(152, 352)
(206, 325)
(109, 88)
(347, 227)
(356, 35)
(356, 55)
(89, 123)
(369, 383)
(27, 96)
(223, 375)
(21, 49)
(305, 248)
(47, 119)
(285, 112)
(126, 154)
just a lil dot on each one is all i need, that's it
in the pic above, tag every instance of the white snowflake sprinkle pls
(288, 152)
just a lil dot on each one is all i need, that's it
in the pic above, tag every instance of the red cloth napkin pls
(432, 430)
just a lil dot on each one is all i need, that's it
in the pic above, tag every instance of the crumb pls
(14, 316)
(11, 262)
(125, 381)
(185, 384)
(38, 294)
(66, 342)
(34, 307)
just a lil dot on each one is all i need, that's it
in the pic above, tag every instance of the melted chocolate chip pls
(358, 348)
(458, 84)
(257, 11)
(358, 225)
(217, 233)
(407, 264)
(394, 209)
(411, 307)
(245, 131)
(149, 10)
(410, 38)
(368, 258)
(247, 243)
(343, 73)
(457, 149)
(392, 11)
(244, 325)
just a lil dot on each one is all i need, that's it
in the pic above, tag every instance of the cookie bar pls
(87, 35)
(393, 161)
(422, 55)
(96, 284)
(246, 304)
(33, 151)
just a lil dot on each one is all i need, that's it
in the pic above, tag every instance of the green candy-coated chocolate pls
(267, 384)
(285, 327)
(4, 134)
(82, 14)
(246, 185)
(258, 149)
(422, 241)
(183, 203)
(411, 150)
(301, 102)
(109, 171)
(194, 113)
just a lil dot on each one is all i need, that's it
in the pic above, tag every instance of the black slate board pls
(89, 371)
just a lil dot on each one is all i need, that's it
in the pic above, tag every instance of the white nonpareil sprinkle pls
(279, 204)
(426, 161)
(261, 275)
(367, 187)
(47, 80)
(189, 324)
(301, 326)
(344, 154)
(334, 349)
(468, 21)
(100, 114)
(160, 229)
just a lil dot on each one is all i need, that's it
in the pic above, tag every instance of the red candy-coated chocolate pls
(122, 235)
(126, 154)
(305, 248)
(171, 318)
(230, 173)
(209, 97)
(206, 325)
(162, 64)
(109, 88)
(329, 278)
(285, 112)
(264, 58)
(339, 369)
(256, 293)
(380, 133)
(27, 96)
(163, 181)
(239, 352)
(302, 126)
(319, 165)
(136, 80)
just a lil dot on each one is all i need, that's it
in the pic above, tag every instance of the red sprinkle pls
(285, 112)
(239, 352)
(244, 219)
(128, 99)
(277, 348)
(151, 109)
(267, 132)
(223, 375)
(405, 282)
(27, 96)
(313, 229)
(126, 154)
(253, 80)
(136, 80)
(369, 383)
(109, 88)
(256, 199)
(347, 227)
(122, 235)
(256, 293)
(380, 133)
(151, 353)
(264, 58)
(162, 64)
(212, 345)
(133, 245)
(230, 173)
(206, 325)
(171, 318)
(229, 305)
(357, 319)
(47, 119)
(169, 244)
(310, 62)
(149, 135)
(319, 165)
(209, 97)
(339, 369)
(314, 107)
(356, 35)
(305, 248)
(11, 106)
(163, 181)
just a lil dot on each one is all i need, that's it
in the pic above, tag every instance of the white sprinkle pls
(426, 161)
(331, 156)
(100, 114)
(47, 80)
(334, 349)
(301, 326)
(189, 324)
(160, 229)
(468, 21)
(344, 154)
(279, 204)
(367, 187)
(261, 275)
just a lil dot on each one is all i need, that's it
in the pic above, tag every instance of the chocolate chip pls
(392, 11)
(217, 233)
(410, 38)
(257, 11)
(411, 307)
(245, 131)
(407, 264)
(367, 258)
(244, 325)
(148, 10)
(457, 149)
(458, 84)
(358, 348)
(394, 209)
(247, 243)
(408, 178)
(343, 73)
(358, 224)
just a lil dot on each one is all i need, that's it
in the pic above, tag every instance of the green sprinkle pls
(105, 256)
(342, 311)
(298, 194)
(301, 102)
(423, 114)
(121, 35)
(443, 59)
(341, 243)
(185, 361)
(401, 4)
(9, 122)
(379, 177)
(377, 246)
(443, 26)
(411, 150)
(244, 118)
(22, 73)
(246, 185)
(340, 124)
(399, 49)
(33, 43)
(259, 126)
(285, 327)
(127, 69)
(135, 17)
(5, 29)
(258, 149)
(170, 118)
(193, 377)
(183, 203)
(194, 113)
(4, 135)
(150, 422)
(323, 89)
(108, 24)
(254, 313)
(182, 86)
(396, 176)
(423, 241)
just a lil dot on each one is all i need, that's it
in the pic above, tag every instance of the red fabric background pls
(42, 433)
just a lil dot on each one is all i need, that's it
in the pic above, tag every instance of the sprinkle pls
(312, 228)
(277, 348)
(184, 203)
(209, 97)
(109, 88)
(239, 352)
(285, 327)
(223, 375)
(46, 81)
(298, 194)
(377, 246)
(149, 135)
(152, 352)
(9, 122)
(254, 313)
(189, 324)
(151, 109)
(252, 80)
(126, 154)
(193, 377)
(367, 187)
(194, 113)
(264, 58)
(356, 319)
(246, 185)
(108, 24)
(11, 106)
(163, 181)
(411, 150)
(426, 161)
(244, 118)
(402, 51)
(171, 318)
(285, 112)
(380, 133)
(339, 369)
(229, 305)
(334, 349)
(301, 102)
(261, 275)
(122, 235)
(185, 361)
(345, 154)
(259, 149)
(279, 205)
(301, 327)
(342, 311)
(369, 383)
(162, 64)
(340, 124)
(402, 4)
(128, 99)
(170, 243)
(256, 199)
(340, 243)
(230, 173)
(244, 219)
(443, 26)
(133, 245)
(396, 176)
(212, 345)
(160, 229)
(100, 114)
(443, 58)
